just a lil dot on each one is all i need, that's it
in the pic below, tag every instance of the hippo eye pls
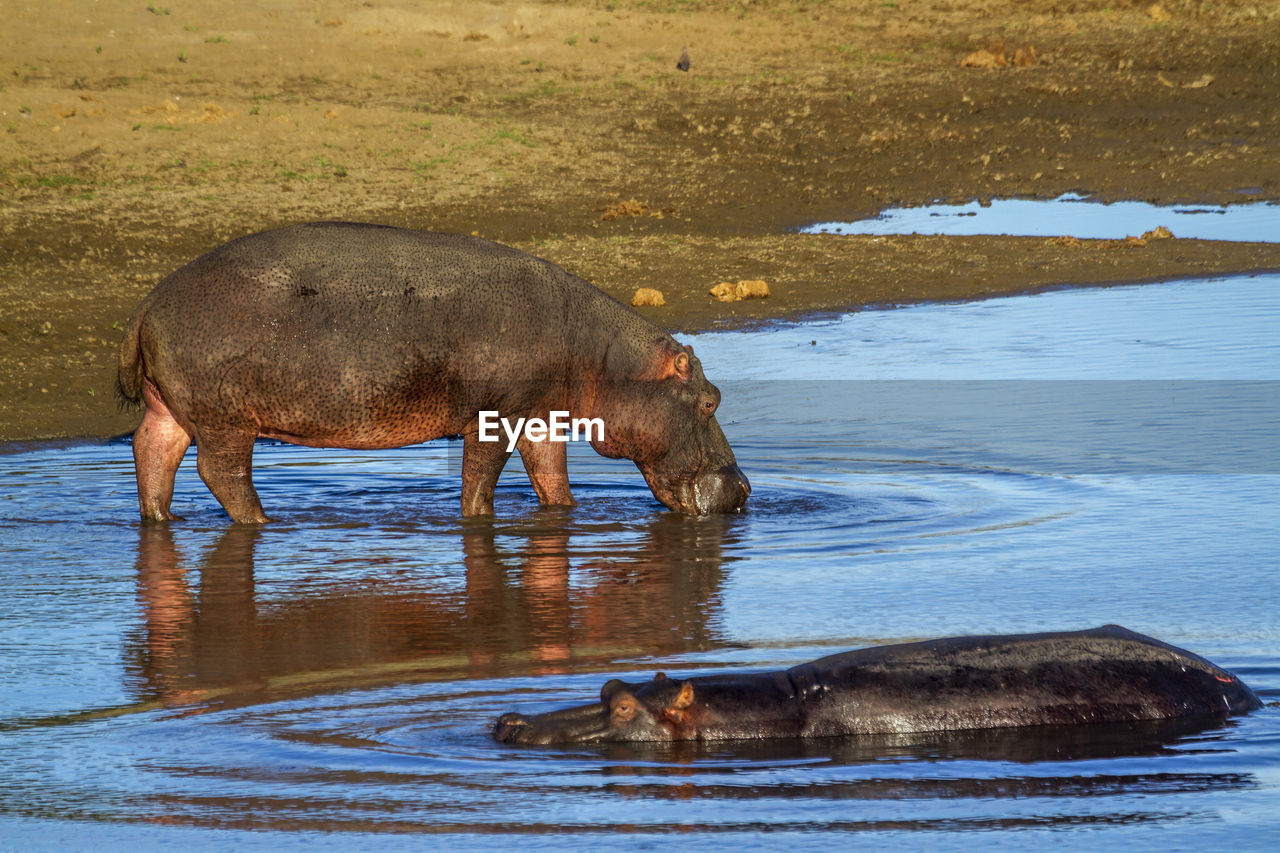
(706, 405)
(624, 710)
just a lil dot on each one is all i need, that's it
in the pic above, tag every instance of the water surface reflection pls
(207, 634)
(332, 678)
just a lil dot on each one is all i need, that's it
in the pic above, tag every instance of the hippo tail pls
(129, 374)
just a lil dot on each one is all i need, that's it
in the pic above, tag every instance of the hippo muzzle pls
(724, 489)
(710, 492)
(639, 713)
(582, 724)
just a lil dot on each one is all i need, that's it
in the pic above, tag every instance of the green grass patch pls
(505, 133)
(317, 169)
(426, 168)
(59, 181)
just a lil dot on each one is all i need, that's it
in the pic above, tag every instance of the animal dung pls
(727, 291)
(724, 291)
(647, 296)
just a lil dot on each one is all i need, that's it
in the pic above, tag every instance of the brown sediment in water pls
(134, 141)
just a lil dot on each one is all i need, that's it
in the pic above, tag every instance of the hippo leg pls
(159, 444)
(224, 459)
(482, 462)
(547, 464)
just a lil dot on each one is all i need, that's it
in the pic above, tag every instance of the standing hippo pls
(1104, 675)
(363, 336)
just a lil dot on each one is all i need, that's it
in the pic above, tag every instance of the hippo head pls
(659, 710)
(665, 422)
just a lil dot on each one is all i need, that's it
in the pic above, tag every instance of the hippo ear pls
(675, 362)
(683, 699)
(682, 364)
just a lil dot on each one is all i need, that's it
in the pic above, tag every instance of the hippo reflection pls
(209, 628)
(1103, 675)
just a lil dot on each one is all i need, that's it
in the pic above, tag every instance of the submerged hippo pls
(1104, 675)
(363, 336)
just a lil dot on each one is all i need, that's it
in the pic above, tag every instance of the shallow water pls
(1072, 215)
(1035, 463)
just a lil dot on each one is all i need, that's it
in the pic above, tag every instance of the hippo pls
(1102, 675)
(338, 334)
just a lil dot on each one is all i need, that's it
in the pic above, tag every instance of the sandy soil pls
(138, 135)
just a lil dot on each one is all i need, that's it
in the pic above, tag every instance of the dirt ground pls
(137, 135)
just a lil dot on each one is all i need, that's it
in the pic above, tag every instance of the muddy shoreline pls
(136, 139)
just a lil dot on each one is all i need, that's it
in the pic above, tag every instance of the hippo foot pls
(162, 518)
(251, 519)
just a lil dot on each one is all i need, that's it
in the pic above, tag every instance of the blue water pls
(1033, 463)
(1071, 215)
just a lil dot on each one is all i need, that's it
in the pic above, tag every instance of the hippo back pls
(1106, 674)
(366, 335)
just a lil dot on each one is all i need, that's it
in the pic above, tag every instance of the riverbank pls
(138, 138)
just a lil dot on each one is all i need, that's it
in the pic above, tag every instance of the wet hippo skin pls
(364, 336)
(1103, 675)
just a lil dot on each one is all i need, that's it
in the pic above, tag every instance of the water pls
(1034, 463)
(1072, 215)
